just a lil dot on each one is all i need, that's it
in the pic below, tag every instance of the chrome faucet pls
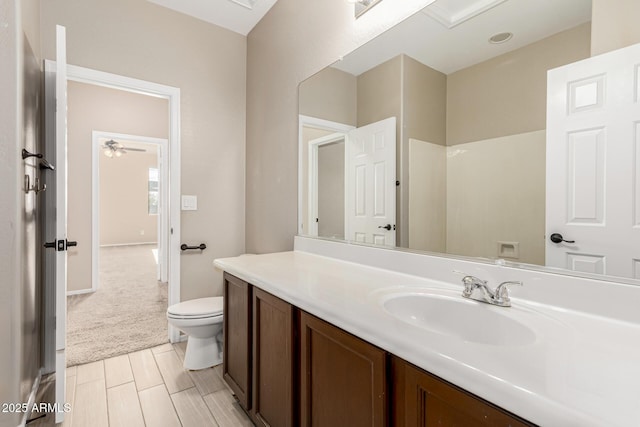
(499, 296)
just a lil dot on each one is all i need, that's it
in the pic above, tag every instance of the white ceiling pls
(447, 36)
(235, 15)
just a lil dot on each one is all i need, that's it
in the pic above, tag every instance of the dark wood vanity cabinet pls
(274, 364)
(259, 353)
(422, 399)
(289, 368)
(343, 379)
(237, 338)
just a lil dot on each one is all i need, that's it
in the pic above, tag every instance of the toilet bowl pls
(201, 320)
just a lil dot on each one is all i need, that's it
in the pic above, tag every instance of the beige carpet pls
(127, 313)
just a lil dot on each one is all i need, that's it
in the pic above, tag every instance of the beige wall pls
(424, 109)
(614, 25)
(424, 100)
(90, 108)
(139, 39)
(493, 188)
(124, 191)
(507, 95)
(293, 41)
(330, 95)
(427, 210)
(380, 93)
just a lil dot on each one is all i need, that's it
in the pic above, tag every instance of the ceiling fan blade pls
(133, 149)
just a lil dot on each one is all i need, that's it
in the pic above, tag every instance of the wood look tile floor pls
(150, 388)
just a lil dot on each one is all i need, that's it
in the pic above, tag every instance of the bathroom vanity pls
(288, 367)
(314, 338)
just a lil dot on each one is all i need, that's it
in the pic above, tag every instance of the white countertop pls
(580, 370)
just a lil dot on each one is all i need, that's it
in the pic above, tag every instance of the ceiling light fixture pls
(362, 6)
(245, 3)
(500, 38)
(112, 148)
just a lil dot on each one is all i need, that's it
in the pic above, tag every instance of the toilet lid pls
(201, 307)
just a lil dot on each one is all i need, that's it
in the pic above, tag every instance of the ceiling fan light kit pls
(112, 149)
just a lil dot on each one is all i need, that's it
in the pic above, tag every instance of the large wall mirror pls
(433, 137)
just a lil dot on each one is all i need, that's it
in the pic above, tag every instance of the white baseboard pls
(80, 292)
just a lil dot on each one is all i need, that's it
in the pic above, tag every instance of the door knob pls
(557, 238)
(387, 227)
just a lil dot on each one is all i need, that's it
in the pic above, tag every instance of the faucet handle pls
(468, 277)
(502, 292)
(470, 282)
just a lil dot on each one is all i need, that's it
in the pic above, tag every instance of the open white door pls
(371, 183)
(61, 242)
(593, 165)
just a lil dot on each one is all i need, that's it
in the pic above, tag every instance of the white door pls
(371, 183)
(55, 223)
(593, 165)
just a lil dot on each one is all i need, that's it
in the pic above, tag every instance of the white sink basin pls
(449, 314)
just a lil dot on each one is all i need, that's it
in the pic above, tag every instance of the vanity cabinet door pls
(421, 399)
(342, 378)
(237, 338)
(273, 361)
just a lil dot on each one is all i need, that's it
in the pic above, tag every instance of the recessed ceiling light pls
(500, 38)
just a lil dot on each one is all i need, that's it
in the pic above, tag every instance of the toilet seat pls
(201, 308)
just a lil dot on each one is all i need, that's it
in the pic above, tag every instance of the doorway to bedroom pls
(117, 282)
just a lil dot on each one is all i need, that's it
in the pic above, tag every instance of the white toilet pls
(201, 320)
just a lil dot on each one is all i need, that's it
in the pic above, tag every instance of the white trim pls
(111, 245)
(162, 145)
(172, 94)
(313, 122)
(81, 291)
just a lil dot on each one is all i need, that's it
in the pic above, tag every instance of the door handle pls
(557, 238)
(387, 227)
(60, 245)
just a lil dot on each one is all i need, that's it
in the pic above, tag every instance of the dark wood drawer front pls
(273, 360)
(237, 338)
(343, 378)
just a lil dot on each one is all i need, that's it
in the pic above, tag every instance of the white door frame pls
(172, 95)
(312, 122)
(163, 223)
(314, 145)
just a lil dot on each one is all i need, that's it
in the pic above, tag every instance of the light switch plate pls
(189, 203)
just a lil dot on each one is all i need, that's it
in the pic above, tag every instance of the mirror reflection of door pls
(371, 183)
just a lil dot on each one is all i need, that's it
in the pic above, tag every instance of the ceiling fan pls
(112, 148)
